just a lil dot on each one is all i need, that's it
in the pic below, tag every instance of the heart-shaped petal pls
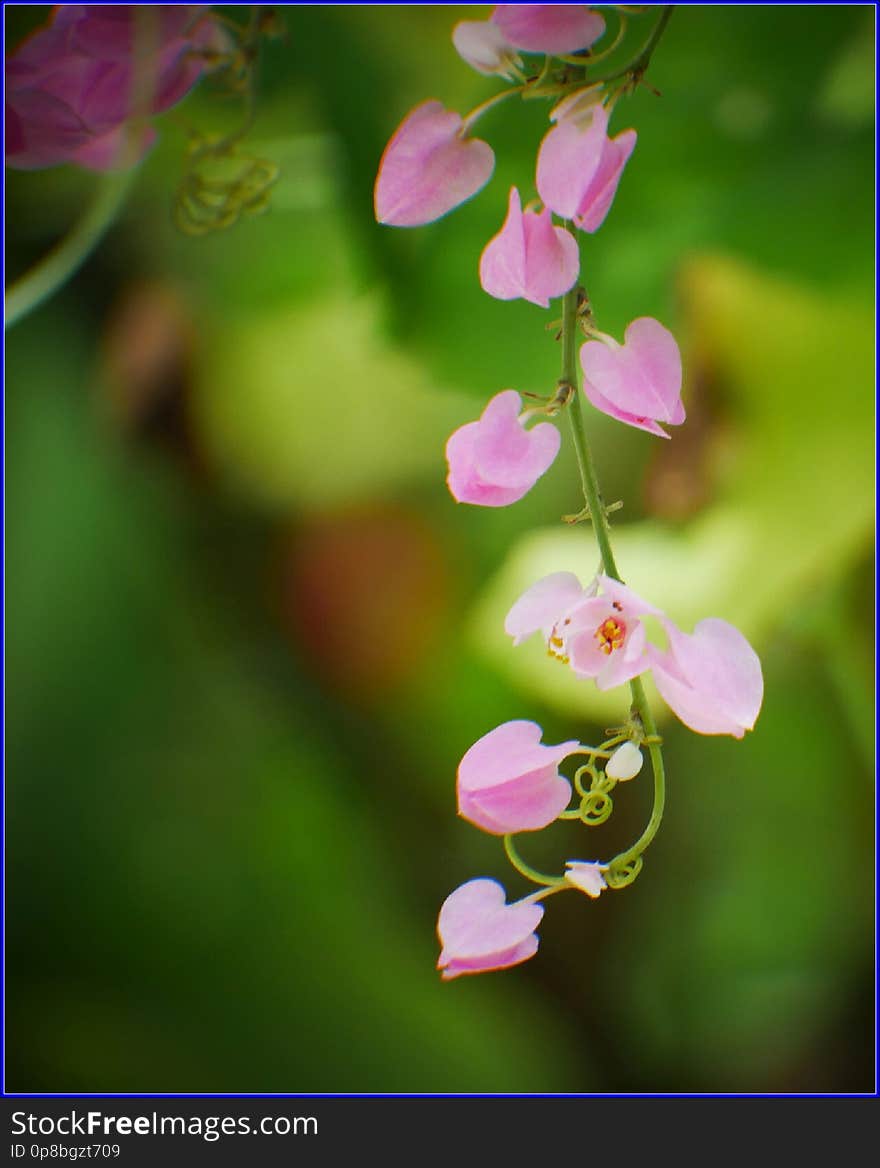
(478, 930)
(428, 168)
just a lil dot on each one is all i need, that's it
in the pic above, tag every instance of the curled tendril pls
(216, 191)
(587, 769)
(596, 804)
(220, 184)
(596, 808)
(624, 874)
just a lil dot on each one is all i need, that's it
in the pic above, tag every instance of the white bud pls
(625, 763)
(586, 875)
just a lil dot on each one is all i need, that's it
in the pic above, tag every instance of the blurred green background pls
(249, 635)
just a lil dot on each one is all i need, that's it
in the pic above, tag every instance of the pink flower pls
(529, 257)
(429, 167)
(602, 637)
(508, 781)
(495, 461)
(70, 86)
(638, 382)
(587, 875)
(711, 679)
(579, 166)
(548, 28)
(479, 931)
(485, 48)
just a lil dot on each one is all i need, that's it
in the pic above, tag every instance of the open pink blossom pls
(711, 679)
(579, 166)
(479, 931)
(508, 781)
(529, 258)
(70, 86)
(599, 636)
(638, 382)
(429, 167)
(495, 461)
(587, 875)
(485, 48)
(548, 28)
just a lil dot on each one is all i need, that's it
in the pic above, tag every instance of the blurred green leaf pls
(308, 407)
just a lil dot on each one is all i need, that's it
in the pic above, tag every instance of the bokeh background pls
(249, 634)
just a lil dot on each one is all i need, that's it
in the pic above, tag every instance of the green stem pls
(589, 482)
(56, 268)
(593, 498)
(527, 870)
(643, 709)
(639, 64)
(477, 112)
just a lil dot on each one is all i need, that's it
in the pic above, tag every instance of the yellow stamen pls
(610, 634)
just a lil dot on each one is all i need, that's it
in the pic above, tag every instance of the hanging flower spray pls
(509, 781)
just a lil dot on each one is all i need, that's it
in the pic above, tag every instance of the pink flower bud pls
(41, 130)
(710, 679)
(587, 875)
(638, 382)
(70, 87)
(529, 258)
(548, 28)
(483, 45)
(495, 461)
(479, 931)
(579, 166)
(508, 781)
(429, 167)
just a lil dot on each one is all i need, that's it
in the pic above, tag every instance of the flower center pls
(610, 634)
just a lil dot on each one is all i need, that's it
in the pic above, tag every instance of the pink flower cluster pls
(509, 781)
(431, 165)
(70, 87)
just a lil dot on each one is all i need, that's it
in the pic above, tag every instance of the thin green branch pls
(639, 64)
(593, 498)
(56, 268)
(527, 870)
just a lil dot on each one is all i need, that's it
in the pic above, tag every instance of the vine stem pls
(596, 507)
(57, 267)
(468, 120)
(639, 64)
(527, 870)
